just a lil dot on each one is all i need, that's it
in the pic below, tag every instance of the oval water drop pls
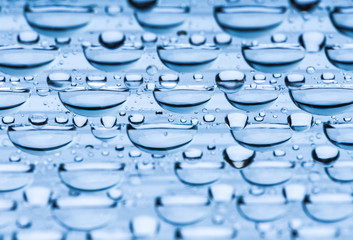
(92, 176)
(26, 60)
(56, 20)
(111, 39)
(187, 58)
(268, 173)
(230, 81)
(328, 207)
(28, 37)
(262, 137)
(161, 19)
(169, 80)
(161, 138)
(238, 156)
(273, 58)
(59, 81)
(322, 101)
(14, 176)
(80, 213)
(200, 173)
(42, 140)
(12, 100)
(249, 21)
(340, 56)
(340, 134)
(325, 154)
(312, 41)
(263, 208)
(183, 99)
(182, 209)
(300, 122)
(112, 60)
(93, 102)
(341, 18)
(253, 99)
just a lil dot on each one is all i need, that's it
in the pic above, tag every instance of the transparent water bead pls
(183, 99)
(340, 134)
(249, 21)
(238, 156)
(21, 60)
(112, 60)
(200, 173)
(230, 81)
(93, 176)
(80, 213)
(328, 207)
(111, 39)
(263, 208)
(161, 138)
(182, 209)
(262, 136)
(277, 57)
(163, 18)
(268, 173)
(44, 140)
(174, 56)
(57, 20)
(93, 102)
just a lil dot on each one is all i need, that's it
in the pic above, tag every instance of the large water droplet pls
(328, 207)
(305, 5)
(261, 137)
(93, 176)
(182, 209)
(111, 60)
(93, 102)
(41, 140)
(300, 122)
(183, 99)
(340, 56)
(200, 173)
(322, 101)
(325, 154)
(57, 20)
(161, 138)
(268, 173)
(80, 213)
(230, 81)
(340, 134)
(249, 21)
(341, 19)
(262, 208)
(14, 176)
(25, 60)
(272, 58)
(238, 156)
(341, 171)
(59, 81)
(253, 99)
(185, 58)
(12, 100)
(160, 19)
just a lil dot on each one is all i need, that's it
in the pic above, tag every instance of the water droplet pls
(300, 122)
(96, 81)
(59, 81)
(238, 156)
(111, 39)
(230, 81)
(169, 80)
(28, 37)
(312, 41)
(325, 154)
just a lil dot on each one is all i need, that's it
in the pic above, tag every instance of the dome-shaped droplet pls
(230, 81)
(325, 154)
(96, 81)
(59, 81)
(238, 156)
(28, 37)
(300, 122)
(312, 41)
(111, 39)
(169, 80)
